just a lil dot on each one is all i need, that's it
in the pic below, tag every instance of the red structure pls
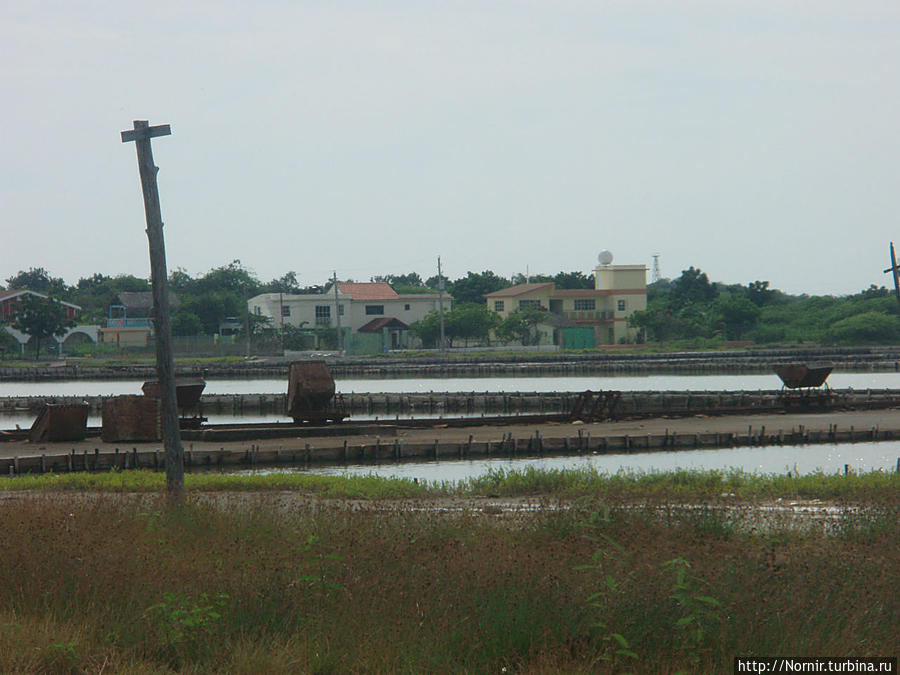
(11, 303)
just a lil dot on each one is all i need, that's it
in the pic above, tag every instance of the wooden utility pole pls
(441, 304)
(894, 272)
(281, 312)
(337, 313)
(165, 363)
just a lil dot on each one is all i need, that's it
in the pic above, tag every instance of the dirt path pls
(862, 421)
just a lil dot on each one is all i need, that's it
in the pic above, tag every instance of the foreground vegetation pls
(114, 580)
(876, 487)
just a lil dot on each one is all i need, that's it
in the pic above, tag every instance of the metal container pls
(187, 391)
(804, 375)
(131, 418)
(310, 391)
(60, 422)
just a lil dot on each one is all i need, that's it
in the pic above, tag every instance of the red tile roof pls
(368, 291)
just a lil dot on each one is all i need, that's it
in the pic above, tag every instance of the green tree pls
(736, 313)
(96, 293)
(520, 278)
(230, 278)
(469, 322)
(428, 329)
(42, 318)
(37, 279)
(868, 327)
(473, 287)
(692, 286)
(186, 323)
(759, 293)
(434, 282)
(521, 326)
(412, 280)
(287, 283)
(573, 280)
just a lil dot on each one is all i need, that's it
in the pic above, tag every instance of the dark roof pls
(142, 300)
(521, 289)
(377, 325)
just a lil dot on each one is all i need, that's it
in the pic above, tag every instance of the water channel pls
(776, 459)
(799, 460)
(839, 380)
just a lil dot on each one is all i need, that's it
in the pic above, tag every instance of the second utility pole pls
(441, 304)
(337, 314)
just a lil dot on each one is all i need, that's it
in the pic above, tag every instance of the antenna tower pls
(655, 275)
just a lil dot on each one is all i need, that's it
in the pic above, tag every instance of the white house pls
(363, 307)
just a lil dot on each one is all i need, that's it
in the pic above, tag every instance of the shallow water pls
(464, 384)
(798, 460)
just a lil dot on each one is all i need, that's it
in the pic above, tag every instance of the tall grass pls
(123, 583)
(873, 487)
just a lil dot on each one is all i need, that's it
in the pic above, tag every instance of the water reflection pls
(459, 384)
(799, 460)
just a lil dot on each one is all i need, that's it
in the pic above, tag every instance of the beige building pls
(619, 291)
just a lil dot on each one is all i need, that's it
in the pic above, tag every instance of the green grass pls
(874, 487)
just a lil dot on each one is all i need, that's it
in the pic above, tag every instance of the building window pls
(374, 310)
(285, 310)
(498, 305)
(585, 305)
(621, 305)
(340, 310)
(406, 307)
(257, 310)
(323, 315)
(529, 304)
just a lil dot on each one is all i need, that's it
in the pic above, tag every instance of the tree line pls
(692, 307)
(688, 308)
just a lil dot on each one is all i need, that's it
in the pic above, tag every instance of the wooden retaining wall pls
(394, 450)
(592, 363)
(503, 403)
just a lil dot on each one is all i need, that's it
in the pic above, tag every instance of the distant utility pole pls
(337, 313)
(894, 269)
(281, 312)
(441, 304)
(165, 363)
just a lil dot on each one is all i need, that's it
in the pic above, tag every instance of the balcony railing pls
(605, 315)
(129, 323)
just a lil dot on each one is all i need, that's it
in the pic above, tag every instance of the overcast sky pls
(755, 140)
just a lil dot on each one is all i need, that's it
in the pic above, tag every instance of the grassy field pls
(877, 487)
(102, 576)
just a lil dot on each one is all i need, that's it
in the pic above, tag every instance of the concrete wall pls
(620, 277)
(513, 303)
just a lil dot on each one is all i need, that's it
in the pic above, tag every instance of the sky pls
(756, 140)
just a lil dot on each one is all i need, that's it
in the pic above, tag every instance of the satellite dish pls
(605, 257)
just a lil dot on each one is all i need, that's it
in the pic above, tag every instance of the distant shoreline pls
(744, 361)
